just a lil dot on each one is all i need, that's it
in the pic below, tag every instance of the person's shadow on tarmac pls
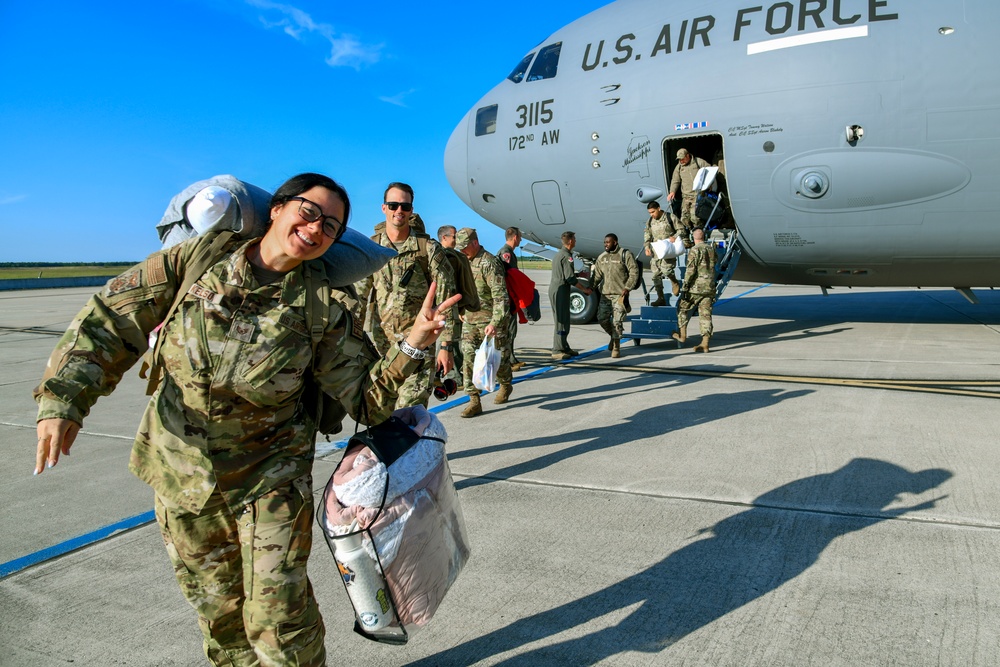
(739, 559)
(667, 417)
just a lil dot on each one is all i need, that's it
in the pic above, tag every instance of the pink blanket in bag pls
(420, 533)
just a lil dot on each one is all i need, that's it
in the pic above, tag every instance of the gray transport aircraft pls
(860, 138)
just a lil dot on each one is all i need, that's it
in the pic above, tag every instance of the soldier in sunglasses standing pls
(397, 290)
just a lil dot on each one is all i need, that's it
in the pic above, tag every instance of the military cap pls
(682, 153)
(465, 234)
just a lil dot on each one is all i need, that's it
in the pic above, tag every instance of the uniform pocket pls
(274, 366)
(279, 536)
(186, 337)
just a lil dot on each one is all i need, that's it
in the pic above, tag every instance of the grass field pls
(533, 263)
(67, 271)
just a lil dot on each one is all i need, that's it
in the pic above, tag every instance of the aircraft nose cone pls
(456, 161)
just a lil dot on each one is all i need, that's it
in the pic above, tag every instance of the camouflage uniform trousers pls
(688, 219)
(472, 338)
(611, 316)
(703, 302)
(244, 572)
(417, 388)
(662, 268)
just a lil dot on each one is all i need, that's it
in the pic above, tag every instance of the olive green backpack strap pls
(327, 412)
(209, 252)
(424, 257)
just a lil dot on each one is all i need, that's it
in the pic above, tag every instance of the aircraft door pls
(548, 203)
(708, 147)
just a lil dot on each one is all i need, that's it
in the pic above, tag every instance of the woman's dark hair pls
(296, 185)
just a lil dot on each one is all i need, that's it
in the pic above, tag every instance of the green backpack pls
(465, 281)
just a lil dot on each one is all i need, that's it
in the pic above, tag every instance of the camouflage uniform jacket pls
(492, 286)
(699, 276)
(229, 411)
(658, 229)
(615, 272)
(397, 306)
(684, 174)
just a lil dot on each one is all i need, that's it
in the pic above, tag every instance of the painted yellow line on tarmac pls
(924, 386)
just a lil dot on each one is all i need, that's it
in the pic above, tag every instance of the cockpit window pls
(486, 120)
(518, 74)
(547, 63)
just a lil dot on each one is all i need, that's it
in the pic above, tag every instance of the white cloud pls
(13, 199)
(397, 99)
(345, 50)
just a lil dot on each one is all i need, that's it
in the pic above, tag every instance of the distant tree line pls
(42, 265)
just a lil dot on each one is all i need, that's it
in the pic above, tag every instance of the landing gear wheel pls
(582, 307)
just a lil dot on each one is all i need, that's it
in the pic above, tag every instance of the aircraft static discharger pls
(860, 138)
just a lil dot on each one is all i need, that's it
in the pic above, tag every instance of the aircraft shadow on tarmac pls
(937, 306)
(739, 559)
(674, 415)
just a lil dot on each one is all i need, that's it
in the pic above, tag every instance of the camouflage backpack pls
(465, 281)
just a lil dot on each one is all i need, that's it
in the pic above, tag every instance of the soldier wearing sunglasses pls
(396, 291)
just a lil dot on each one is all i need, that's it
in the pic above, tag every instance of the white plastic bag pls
(484, 370)
(664, 249)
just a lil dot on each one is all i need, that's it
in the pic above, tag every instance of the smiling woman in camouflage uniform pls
(227, 441)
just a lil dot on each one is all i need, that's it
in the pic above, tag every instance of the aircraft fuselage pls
(860, 137)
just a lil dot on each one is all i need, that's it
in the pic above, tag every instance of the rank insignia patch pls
(127, 281)
(242, 331)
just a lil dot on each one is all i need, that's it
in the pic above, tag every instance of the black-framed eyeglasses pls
(311, 212)
(405, 205)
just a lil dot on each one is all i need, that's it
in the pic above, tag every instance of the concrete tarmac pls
(820, 489)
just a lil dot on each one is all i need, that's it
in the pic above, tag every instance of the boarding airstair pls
(660, 323)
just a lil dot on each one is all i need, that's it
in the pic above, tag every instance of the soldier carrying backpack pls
(396, 289)
(227, 441)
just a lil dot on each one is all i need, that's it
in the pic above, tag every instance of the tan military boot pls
(660, 299)
(616, 349)
(504, 394)
(680, 336)
(474, 408)
(703, 345)
(517, 366)
(675, 287)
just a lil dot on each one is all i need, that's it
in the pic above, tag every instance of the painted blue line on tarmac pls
(755, 289)
(325, 449)
(18, 564)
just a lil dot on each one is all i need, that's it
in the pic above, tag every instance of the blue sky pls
(108, 109)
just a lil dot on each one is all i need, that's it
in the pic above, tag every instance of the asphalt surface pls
(820, 489)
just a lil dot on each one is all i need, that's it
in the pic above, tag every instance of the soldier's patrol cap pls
(682, 153)
(464, 235)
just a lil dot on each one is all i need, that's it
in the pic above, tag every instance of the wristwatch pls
(411, 351)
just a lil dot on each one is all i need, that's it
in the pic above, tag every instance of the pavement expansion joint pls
(887, 515)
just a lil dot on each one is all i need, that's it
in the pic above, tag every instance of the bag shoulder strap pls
(208, 253)
(424, 256)
(423, 253)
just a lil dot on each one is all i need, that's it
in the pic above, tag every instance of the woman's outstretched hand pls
(430, 320)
